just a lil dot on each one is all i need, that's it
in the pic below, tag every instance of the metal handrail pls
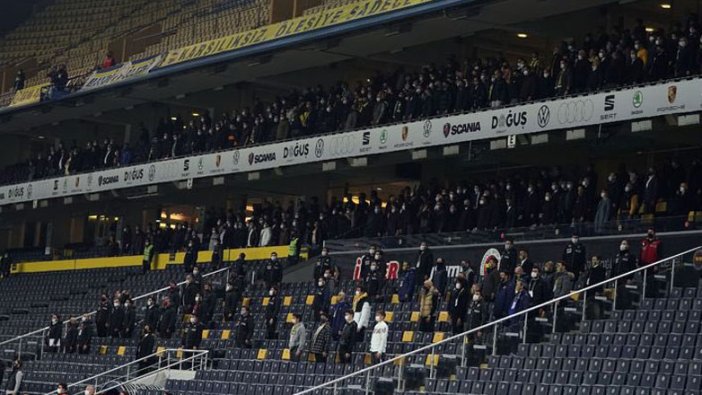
(158, 354)
(493, 323)
(90, 314)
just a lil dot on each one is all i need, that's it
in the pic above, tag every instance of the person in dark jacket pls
(624, 262)
(407, 282)
(192, 289)
(374, 281)
(14, 382)
(424, 262)
(70, 343)
(338, 313)
(190, 259)
(508, 256)
(504, 295)
(148, 258)
(146, 347)
(321, 340)
(85, 335)
(477, 313)
(152, 313)
(347, 340)
(537, 287)
(323, 263)
(232, 295)
(524, 262)
(320, 304)
(102, 316)
(574, 256)
(116, 321)
(209, 304)
(272, 310)
(520, 302)
(217, 255)
(458, 305)
(129, 319)
(490, 281)
(192, 334)
(167, 319)
(273, 274)
(595, 274)
(244, 328)
(439, 276)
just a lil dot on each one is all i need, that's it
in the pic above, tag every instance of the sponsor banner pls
(629, 104)
(305, 23)
(126, 70)
(28, 95)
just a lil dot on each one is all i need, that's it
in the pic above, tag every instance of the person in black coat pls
(347, 340)
(574, 256)
(217, 255)
(458, 305)
(192, 289)
(190, 259)
(85, 335)
(70, 343)
(273, 273)
(115, 323)
(152, 313)
(167, 319)
(102, 316)
(146, 346)
(508, 257)
(272, 310)
(244, 328)
(192, 334)
(524, 261)
(129, 319)
(323, 263)
(424, 262)
(209, 303)
(322, 298)
(232, 295)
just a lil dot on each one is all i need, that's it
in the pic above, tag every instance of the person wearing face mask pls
(564, 80)
(520, 302)
(273, 274)
(244, 328)
(192, 289)
(428, 303)
(197, 275)
(129, 319)
(152, 313)
(192, 334)
(167, 319)
(458, 305)
(651, 251)
(477, 313)
(407, 282)
(563, 280)
(70, 341)
(684, 59)
(272, 310)
(62, 388)
(116, 320)
(148, 258)
(322, 297)
(338, 313)
(490, 280)
(347, 338)
(13, 385)
(374, 281)
(424, 262)
(146, 346)
(624, 262)
(298, 337)
(366, 261)
(217, 254)
(379, 339)
(323, 263)
(439, 276)
(190, 259)
(89, 390)
(361, 311)
(683, 202)
(575, 256)
(596, 274)
(85, 335)
(321, 340)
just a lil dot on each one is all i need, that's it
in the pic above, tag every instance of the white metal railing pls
(40, 334)
(400, 359)
(160, 361)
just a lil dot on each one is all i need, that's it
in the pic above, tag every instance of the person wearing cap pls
(428, 302)
(575, 256)
(321, 339)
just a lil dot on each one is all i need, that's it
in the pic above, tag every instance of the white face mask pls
(193, 320)
(116, 304)
(476, 298)
(458, 285)
(358, 293)
(54, 320)
(534, 274)
(622, 247)
(321, 284)
(422, 248)
(378, 318)
(271, 292)
(150, 303)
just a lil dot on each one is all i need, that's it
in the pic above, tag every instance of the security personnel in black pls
(217, 255)
(273, 275)
(192, 289)
(152, 313)
(146, 348)
(116, 321)
(192, 334)
(239, 266)
(575, 256)
(244, 328)
(624, 262)
(272, 314)
(508, 257)
(190, 259)
(323, 263)
(102, 316)
(424, 263)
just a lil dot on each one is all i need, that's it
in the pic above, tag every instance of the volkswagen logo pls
(575, 111)
(152, 172)
(235, 157)
(427, 128)
(319, 148)
(543, 116)
(341, 145)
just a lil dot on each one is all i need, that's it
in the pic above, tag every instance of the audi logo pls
(341, 145)
(575, 111)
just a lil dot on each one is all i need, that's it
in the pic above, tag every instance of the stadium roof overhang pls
(439, 20)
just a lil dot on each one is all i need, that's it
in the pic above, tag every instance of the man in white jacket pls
(379, 340)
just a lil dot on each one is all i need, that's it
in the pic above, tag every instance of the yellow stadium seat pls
(225, 334)
(285, 356)
(205, 334)
(438, 336)
(389, 315)
(246, 302)
(121, 350)
(443, 316)
(407, 336)
(429, 361)
(395, 299)
(287, 301)
(414, 317)
(309, 300)
(262, 353)
(265, 301)
(102, 350)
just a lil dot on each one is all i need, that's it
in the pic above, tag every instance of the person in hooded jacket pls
(273, 273)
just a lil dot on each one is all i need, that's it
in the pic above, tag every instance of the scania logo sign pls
(460, 128)
(260, 158)
(543, 117)
(296, 150)
(105, 180)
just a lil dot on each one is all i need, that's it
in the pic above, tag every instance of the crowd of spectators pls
(604, 60)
